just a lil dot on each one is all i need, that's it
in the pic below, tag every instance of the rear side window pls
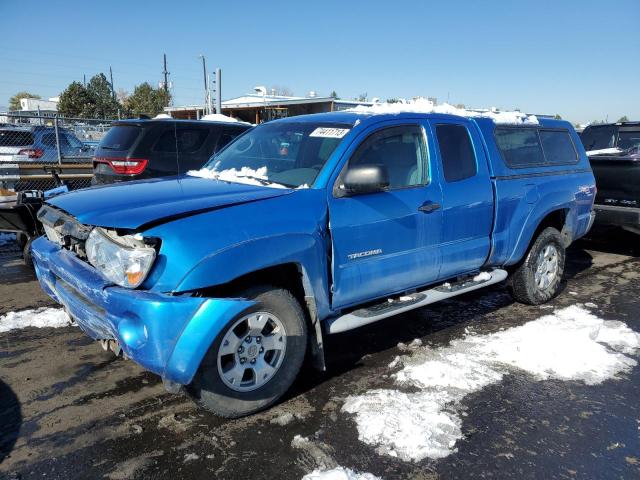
(187, 140)
(520, 147)
(558, 147)
(456, 151)
(15, 138)
(49, 139)
(598, 138)
(120, 137)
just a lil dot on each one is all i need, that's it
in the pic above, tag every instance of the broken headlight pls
(124, 260)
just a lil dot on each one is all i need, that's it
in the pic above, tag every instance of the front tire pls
(537, 279)
(256, 357)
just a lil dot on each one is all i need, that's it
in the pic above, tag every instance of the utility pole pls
(218, 90)
(166, 75)
(113, 92)
(206, 86)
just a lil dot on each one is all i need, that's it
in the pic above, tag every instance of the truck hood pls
(132, 205)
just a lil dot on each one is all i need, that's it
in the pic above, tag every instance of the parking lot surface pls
(70, 410)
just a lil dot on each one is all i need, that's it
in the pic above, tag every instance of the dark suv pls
(135, 149)
(614, 153)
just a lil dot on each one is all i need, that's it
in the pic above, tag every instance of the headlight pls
(125, 260)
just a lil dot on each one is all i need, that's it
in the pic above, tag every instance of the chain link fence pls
(34, 149)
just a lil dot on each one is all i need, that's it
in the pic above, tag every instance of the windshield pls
(277, 154)
(599, 138)
(629, 139)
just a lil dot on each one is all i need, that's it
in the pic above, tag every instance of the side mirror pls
(366, 179)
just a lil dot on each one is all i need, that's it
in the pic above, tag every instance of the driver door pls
(386, 242)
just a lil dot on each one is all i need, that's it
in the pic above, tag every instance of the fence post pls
(55, 124)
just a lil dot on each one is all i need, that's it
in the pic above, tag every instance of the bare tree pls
(122, 96)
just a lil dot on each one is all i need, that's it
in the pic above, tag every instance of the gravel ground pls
(70, 410)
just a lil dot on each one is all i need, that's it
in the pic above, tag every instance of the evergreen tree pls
(75, 101)
(103, 103)
(146, 100)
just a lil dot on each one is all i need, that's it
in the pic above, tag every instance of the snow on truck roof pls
(422, 105)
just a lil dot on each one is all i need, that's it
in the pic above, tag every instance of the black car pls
(136, 149)
(614, 153)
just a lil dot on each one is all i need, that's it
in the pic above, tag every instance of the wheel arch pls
(558, 218)
(292, 276)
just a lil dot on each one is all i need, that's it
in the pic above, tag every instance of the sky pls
(579, 59)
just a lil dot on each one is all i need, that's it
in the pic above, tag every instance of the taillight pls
(32, 152)
(124, 166)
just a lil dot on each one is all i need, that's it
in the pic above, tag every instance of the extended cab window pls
(558, 147)
(401, 150)
(456, 151)
(520, 147)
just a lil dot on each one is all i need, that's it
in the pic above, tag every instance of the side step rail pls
(390, 307)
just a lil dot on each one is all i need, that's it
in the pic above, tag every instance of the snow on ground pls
(569, 344)
(6, 238)
(422, 105)
(39, 318)
(339, 473)
(245, 175)
(605, 151)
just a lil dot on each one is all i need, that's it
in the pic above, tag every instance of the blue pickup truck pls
(223, 280)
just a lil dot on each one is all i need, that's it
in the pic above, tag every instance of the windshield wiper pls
(266, 182)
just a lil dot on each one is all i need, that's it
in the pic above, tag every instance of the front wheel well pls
(288, 276)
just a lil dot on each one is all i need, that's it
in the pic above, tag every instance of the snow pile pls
(605, 151)
(422, 105)
(6, 238)
(218, 117)
(339, 473)
(570, 344)
(245, 175)
(39, 318)
(162, 116)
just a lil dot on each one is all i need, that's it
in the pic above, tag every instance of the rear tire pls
(537, 279)
(232, 384)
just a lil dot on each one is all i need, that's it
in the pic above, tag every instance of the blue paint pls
(212, 232)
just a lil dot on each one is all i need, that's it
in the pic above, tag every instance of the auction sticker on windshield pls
(329, 132)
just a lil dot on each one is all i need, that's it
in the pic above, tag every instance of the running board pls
(404, 303)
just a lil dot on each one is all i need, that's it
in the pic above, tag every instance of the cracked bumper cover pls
(168, 335)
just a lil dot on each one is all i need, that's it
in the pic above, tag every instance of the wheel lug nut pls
(248, 339)
(261, 349)
(240, 349)
(253, 360)
(242, 360)
(258, 339)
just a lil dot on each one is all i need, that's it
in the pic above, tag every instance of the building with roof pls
(260, 107)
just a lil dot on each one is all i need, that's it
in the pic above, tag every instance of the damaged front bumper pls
(166, 334)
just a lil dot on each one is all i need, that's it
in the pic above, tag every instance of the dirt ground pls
(70, 410)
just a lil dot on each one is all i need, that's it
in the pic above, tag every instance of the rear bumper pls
(614, 215)
(168, 335)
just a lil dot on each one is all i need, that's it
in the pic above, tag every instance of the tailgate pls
(618, 180)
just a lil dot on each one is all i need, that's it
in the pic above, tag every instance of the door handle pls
(429, 207)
